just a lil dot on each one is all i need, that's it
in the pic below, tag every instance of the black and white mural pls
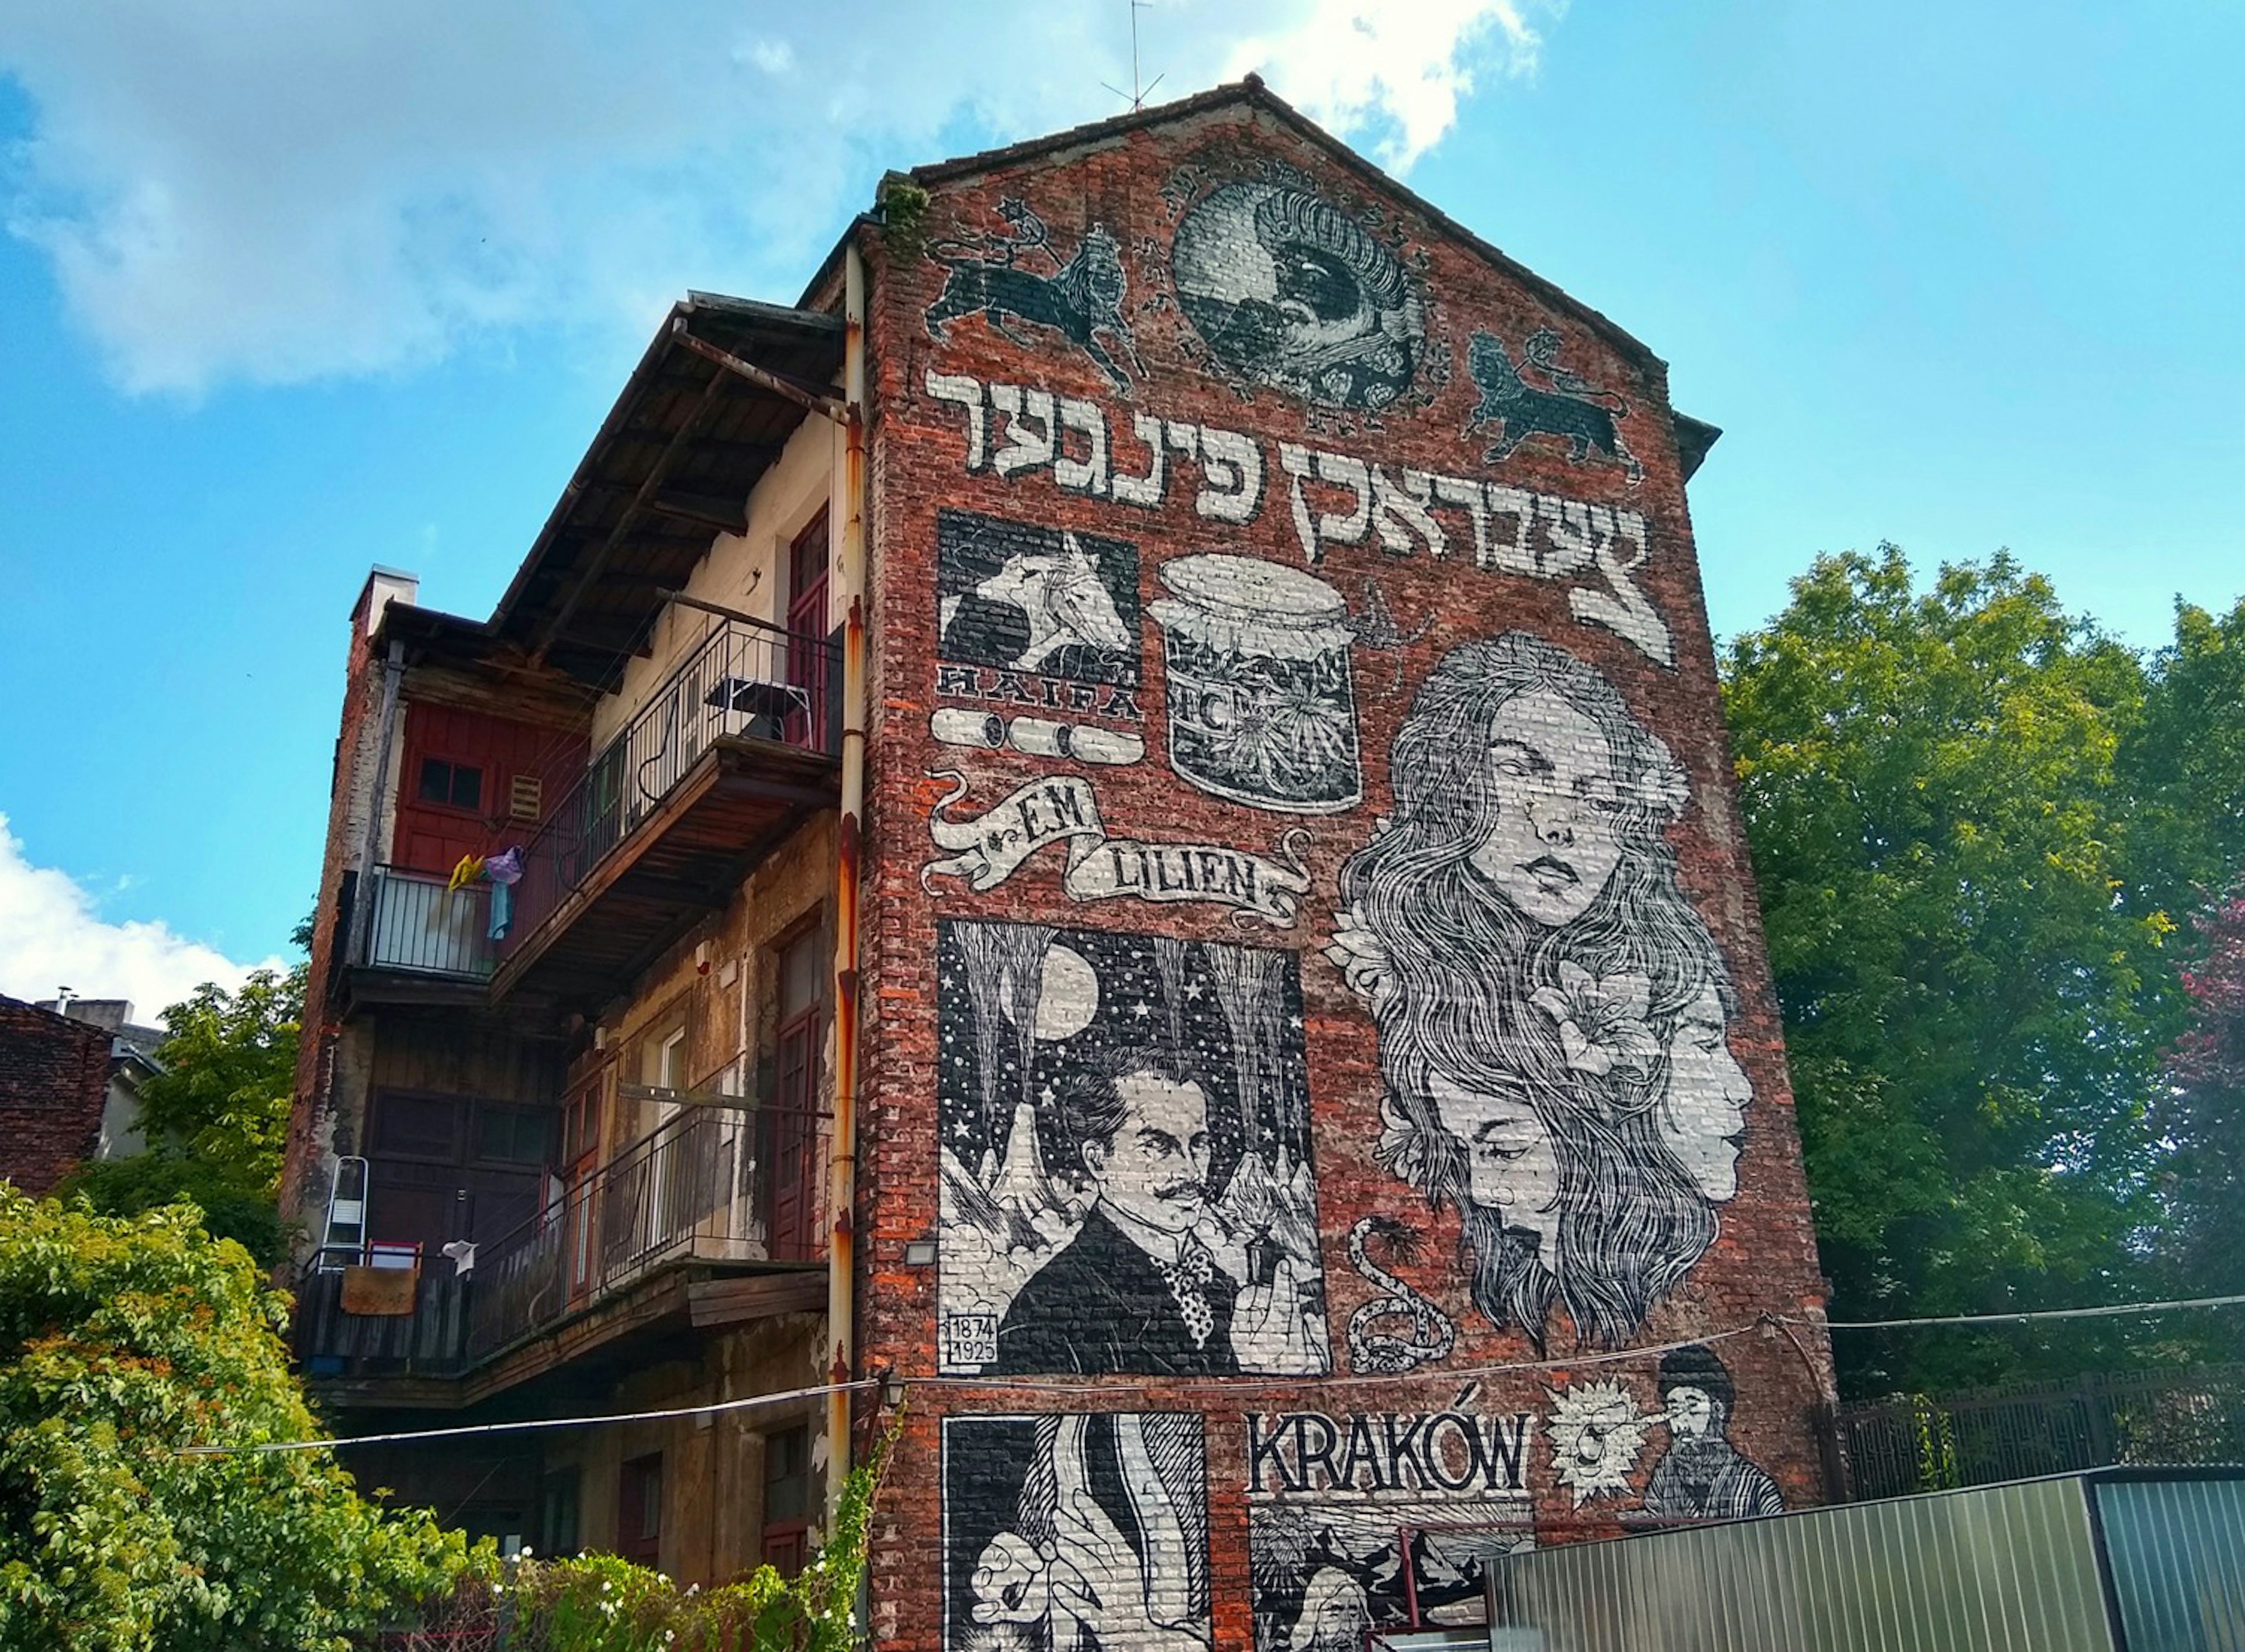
(1076, 1534)
(1702, 1476)
(1127, 1184)
(1599, 1435)
(1551, 1011)
(1014, 276)
(1039, 601)
(1581, 415)
(1262, 703)
(1290, 289)
(1381, 1520)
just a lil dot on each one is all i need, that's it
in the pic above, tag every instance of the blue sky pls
(286, 291)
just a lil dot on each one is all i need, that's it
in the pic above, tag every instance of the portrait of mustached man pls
(1551, 1011)
(1135, 1289)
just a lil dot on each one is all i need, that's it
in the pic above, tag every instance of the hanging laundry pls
(506, 867)
(502, 910)
(470, 869)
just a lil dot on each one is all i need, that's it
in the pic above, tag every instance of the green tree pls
(229, 1063)
(123, 1341)
(1973, 1012)
(233, 1206)
(2183, 765)
(2201, 1112)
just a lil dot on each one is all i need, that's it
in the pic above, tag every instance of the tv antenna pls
(1139, 88)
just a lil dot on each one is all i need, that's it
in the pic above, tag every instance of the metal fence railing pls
(415, 925)
(745, 679)
(1922, 1443)
(713, 1184)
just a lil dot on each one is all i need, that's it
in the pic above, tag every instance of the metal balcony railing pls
(414, 926)
(745, 679)
(715, 1184)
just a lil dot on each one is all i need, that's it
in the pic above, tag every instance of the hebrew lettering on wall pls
(1127, 1183)
(1380, 1521)
(1551, 1010)
(1041, 601)
(1580, 413)
(1289, 289)
(1014, 276)
(1332, 500)
(1076, 1531)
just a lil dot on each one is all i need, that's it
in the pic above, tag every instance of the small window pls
(803, 965)
(787, 1476)
(513, 1135)
(639, 1511)
(526, 797)
(452, 785)
(787, 1500)
(557, 1524)
(416, 1127)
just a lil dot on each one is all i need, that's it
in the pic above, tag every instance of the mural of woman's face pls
(1555, 839)
(1704, 1113)
(1512, 1168)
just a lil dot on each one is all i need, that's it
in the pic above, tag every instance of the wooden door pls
(806, 619)
(790, 1143)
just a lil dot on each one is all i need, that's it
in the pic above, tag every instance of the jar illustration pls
(1262, 706)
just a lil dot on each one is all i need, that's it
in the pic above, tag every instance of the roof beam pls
(655, 477)
(825, 406)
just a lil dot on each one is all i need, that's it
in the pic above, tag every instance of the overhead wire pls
(1224, 1384)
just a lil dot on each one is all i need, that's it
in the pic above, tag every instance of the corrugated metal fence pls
(2127, 1562)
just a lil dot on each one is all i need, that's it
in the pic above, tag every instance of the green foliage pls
(601, 1603)
(1974, 1007)
(230, 1207)
(904, 215)
(2183, 765)
(229, 1070)
(122, 1341)
(2201, 1112)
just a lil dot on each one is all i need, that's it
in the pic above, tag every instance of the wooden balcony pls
(713, 1216)
(725, 761)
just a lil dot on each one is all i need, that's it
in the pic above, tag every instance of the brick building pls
(54, 1084)
(1158, 732)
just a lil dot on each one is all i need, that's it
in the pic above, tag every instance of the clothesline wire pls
(1224, 1384)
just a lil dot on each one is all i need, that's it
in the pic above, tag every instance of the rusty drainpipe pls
(842, 1178)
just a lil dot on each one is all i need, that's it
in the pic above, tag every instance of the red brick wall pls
(1244, 746)
(54, 1074)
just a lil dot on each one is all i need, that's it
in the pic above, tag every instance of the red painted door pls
(791, 1142)
(806, 618)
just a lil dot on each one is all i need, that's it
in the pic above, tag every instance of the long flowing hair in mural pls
(1533, 968)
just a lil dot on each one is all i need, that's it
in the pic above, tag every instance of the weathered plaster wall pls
(1311, 961)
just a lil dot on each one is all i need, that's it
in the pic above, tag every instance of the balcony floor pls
(683, 859)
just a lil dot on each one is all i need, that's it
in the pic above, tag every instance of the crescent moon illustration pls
(1067, 995)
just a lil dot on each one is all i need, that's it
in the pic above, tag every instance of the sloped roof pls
(671, 467)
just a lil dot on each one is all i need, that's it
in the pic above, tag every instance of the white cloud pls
(271, 192)
(52, 935)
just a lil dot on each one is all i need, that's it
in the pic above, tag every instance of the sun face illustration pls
(1598, 1434)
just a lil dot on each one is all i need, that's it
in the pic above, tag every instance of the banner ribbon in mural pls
(988, 848)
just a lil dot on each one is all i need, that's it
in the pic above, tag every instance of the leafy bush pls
(231, 1208)
(601, 1603)
(123, 1340)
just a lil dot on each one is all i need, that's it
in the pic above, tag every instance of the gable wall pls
(1165, 768)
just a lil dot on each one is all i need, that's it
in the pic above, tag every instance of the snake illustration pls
(1374, 1351)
